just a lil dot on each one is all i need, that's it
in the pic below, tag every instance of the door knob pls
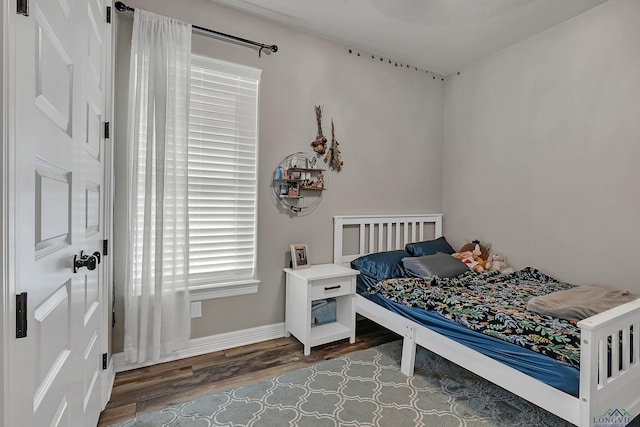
(89, 261)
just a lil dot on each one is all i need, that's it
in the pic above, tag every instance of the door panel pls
(51, 331)
(92, 208)
(53, 66)
(52, 212)
(94, 123)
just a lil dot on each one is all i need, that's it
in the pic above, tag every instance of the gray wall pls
(389, 122)
(541, 149)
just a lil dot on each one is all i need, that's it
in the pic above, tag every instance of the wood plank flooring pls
(155, 387)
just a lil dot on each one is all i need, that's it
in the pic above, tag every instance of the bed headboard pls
(357, 235)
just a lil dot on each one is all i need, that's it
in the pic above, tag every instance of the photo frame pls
(300, 256)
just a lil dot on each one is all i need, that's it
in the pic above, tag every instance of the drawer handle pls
(330, 288)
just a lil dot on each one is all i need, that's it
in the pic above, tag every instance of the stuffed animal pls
(474, 255)
(499, 263)
(474, 245)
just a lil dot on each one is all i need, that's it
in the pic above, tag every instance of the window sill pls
(223, 290)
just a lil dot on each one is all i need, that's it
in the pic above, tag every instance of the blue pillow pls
(429, 247)
(381, 265)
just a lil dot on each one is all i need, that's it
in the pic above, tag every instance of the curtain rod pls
(121, 7)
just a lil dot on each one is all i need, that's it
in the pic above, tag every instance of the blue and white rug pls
(365, 388)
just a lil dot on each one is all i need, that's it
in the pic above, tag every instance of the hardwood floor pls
(152, 388)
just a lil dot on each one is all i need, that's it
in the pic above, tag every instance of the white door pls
(58, 62)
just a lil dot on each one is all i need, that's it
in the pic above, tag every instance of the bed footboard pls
(610, 366)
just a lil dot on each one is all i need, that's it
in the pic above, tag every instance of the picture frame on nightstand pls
(299, 256)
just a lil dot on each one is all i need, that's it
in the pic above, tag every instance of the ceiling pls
(441, 36)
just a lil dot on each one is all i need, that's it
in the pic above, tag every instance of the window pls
(223, 149)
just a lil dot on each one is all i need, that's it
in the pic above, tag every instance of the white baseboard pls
(209, 344)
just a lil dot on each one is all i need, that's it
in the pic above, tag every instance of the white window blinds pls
(223, 145)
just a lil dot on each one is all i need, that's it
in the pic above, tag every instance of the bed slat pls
(615, 355)
(625, 349)
(602, 361)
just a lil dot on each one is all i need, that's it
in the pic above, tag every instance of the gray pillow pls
(439, 264)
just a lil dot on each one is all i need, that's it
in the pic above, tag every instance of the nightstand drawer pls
(327, 288)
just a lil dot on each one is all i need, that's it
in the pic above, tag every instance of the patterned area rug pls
(365, 388)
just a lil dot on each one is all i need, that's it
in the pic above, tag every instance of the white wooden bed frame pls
(598, 392)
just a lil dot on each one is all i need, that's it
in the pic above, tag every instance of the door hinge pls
(108, 14)
(21, 315)
(105, 247)
(106, 130)
(104, 361)
(22, 7)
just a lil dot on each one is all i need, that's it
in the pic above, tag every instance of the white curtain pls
(157, 320)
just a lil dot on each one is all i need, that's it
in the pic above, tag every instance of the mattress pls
(546, 369)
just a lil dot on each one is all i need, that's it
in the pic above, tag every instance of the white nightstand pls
(314, 283)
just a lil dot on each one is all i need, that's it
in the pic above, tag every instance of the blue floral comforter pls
(493, 304)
